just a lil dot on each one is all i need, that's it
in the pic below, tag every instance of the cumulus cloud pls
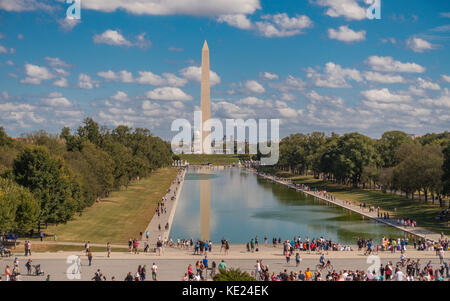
(269, 76)
(424, 84)
(252, 101)
(67, 24)
(56, 99)
(62, 82)
(111, 37)
(120, 96)
(168, 93)
(194, 73)
(253, 86)
(176, 7)
(384, 78)
(239, 20)
(334, 76)
(115, 38)
(345, 34)
(419, 45)
(23, 5)
(348, 9)
(149, 78)
(281, 25)
(388, 64)
(36, 74)
(56, 62)
(443, 101)
(384, 95)
(446, 78)
(85, 82)
(230, 110)
(123, 76)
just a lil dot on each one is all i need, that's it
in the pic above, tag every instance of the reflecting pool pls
(237, 204)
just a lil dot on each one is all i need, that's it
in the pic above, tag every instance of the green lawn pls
(396, 205)
(195, 159)
(121, 216)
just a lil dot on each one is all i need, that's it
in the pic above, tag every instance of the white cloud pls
(123, 76)
(56, 62)
(287, 96)
(290, 83)
(446, 78)
(194, 73)
(120, 96)
(239, 20)
(67, 24)
(419, 45)
(334, 77)
(388, 64)
(149, 78)
(384, 95)
(176, 7)
(269, 76)
(85, 82)
(424, 84)
(383, 78)
(252, 101)
(111, 37)
(61, 72)
(316, 97)
(173, 80)
(348, 9)
(281, 25)
(62, 82)
(442, 101)
(142, 41)
(231, 110)
(287, 112)
(36, 74)
(3, 49)
(23, 5)
(253, 86)
(56, 99)
(168, 93)
(346, 34)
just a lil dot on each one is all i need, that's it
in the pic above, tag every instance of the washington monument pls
(205, 101)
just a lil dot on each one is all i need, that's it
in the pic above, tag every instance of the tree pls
(4, 139)
(351, 153)
(50, 182)
(446, 170)
(19, 210)
(388, 146)
(233, 275)
(90, 131)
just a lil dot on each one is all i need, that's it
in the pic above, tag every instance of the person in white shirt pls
(398, 275)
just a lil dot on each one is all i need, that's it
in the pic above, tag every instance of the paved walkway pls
(418, 231)
(164, 218)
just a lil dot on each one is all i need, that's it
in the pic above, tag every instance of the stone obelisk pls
(205, 101)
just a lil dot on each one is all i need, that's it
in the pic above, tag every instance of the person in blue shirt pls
(205, 262)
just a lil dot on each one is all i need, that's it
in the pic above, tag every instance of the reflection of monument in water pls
(205, 204)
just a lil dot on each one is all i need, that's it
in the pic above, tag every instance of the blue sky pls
(317, 65)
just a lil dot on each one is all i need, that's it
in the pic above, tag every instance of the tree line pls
(395, 162)
(50, 178)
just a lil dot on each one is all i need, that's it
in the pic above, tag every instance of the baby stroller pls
(5, 252)
(37, 270)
